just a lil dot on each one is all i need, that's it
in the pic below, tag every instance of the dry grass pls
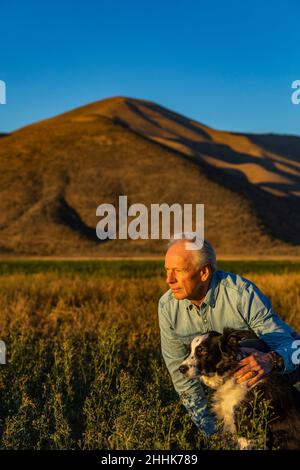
(84, 365)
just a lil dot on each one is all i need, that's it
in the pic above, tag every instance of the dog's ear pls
(231, 339)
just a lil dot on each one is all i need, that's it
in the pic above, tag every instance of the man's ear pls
(231, 339)
(205, 272)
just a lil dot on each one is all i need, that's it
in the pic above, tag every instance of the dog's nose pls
(183, 369)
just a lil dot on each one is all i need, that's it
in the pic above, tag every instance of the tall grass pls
(84, 367)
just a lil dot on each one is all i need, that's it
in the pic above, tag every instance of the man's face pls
(183, 276)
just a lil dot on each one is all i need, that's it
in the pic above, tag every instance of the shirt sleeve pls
(267, 325)
(190, 391)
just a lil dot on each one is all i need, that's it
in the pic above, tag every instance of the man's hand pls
(254, 367)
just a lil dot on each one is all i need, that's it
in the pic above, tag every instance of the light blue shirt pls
(231, 301)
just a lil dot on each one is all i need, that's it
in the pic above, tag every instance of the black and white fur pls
(212, 359)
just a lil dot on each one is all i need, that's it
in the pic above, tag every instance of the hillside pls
(54, 174)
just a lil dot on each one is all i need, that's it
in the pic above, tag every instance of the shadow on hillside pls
(66, 215)
(287, 145)
(170, 115)
(279, 215)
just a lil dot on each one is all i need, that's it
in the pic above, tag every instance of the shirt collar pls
(213, 289)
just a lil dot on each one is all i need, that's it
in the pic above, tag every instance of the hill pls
(54, 174)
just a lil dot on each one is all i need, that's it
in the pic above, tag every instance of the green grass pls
(132, 268)
(84, 368)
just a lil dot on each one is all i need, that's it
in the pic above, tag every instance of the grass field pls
(84, 368)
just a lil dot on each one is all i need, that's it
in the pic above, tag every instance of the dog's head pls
(214, 353)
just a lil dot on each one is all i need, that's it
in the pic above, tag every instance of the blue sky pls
(228, 64)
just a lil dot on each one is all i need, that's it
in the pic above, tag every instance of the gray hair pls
(204, 252)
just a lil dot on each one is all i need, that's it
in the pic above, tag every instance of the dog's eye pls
(200, 350)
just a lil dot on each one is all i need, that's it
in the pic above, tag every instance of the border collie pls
(213, 358)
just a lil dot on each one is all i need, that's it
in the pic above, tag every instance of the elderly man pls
(202, 298)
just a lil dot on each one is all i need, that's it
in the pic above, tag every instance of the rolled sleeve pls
(267, 325)
(190, 391)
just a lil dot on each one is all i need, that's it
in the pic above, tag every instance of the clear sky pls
(228, 64)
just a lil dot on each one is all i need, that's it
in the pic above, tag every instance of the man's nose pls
(170, 277)
(183, 368)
